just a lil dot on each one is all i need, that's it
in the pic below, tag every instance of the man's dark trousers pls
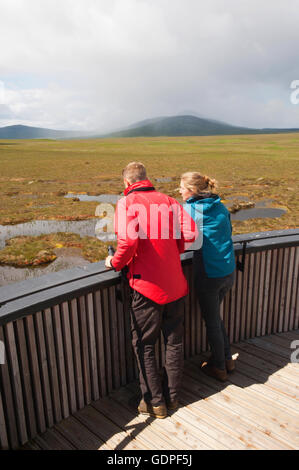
(147, 320)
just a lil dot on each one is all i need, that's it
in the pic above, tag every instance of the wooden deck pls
(258, 408)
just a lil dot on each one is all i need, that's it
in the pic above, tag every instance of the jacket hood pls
(139, 185)
(208, 199)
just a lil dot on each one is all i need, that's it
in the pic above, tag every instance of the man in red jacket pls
(152, 230)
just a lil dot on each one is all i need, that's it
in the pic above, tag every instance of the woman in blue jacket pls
(214, 265)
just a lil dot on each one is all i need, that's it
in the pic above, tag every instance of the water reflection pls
(108, 198)
(262, 209)
(9, 274)
(255, 213)
(40, 227)
(164, 179)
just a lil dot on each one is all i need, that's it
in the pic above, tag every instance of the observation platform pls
(68, 373)
(257, 409)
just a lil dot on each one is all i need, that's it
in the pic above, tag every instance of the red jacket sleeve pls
(126, 229)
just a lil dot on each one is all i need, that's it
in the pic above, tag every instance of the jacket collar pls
(144, 185)
(202, 196)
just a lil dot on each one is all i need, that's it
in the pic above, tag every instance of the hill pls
(188, 126)
(28, 132)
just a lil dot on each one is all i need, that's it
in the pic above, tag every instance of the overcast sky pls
(103, 64)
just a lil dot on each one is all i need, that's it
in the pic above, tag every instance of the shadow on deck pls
(256, 409)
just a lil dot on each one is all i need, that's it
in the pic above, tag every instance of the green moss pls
(34, 251)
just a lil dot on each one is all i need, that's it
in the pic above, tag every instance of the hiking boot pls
(230, 365)
(150, 410)
(172, 405)
(214, 372)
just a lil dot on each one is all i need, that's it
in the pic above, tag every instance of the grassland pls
(36, 174)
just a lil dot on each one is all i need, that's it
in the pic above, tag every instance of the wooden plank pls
(231, 323)
(291, 335)
(53, 440)
(74, 324)
(126, 420)
(99, 335)
(69, 361)
(239, 306)
(92, 347)
(267, 275)
(248, 390)
(250, 432)
(276, 306)
(255, 293)
(186, 321)
(107, 431)
(273, 277)
(284, 387)
(164, 433)
(60, 353)
(121, 335)
(107, 340)
(31, 446)
(198, 326)
(264, 366)
(280, 340)
(244, 380)
(264, 344)
(114, 337)
(260, 295)
(244, 307)
(44, 370)
(79, 436)
(261, 354)
(251, 265)
(84, 349)
(194, 330)
(16, 382)
(283, 289)
(296, 324)
(289, 292)
(238, 404)
(4, 445)
(141, 427)
(295, 289)
(26, 378)
(236, 430)
(53, 372)
(35, 374)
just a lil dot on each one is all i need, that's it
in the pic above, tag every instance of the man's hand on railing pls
(108, 262)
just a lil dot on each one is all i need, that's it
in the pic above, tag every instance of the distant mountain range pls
(27, 132)
(161, 126)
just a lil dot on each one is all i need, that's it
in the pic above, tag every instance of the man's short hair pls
(134, 171)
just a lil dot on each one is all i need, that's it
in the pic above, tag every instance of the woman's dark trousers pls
(210, 293)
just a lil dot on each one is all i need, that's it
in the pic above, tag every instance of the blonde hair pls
(197, 183)
(134, 171)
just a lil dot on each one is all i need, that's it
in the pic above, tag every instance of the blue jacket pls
(214, 225)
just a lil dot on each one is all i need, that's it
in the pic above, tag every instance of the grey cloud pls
(114, 62)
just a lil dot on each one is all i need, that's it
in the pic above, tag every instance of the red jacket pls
(152, 229)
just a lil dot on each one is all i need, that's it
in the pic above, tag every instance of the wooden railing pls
(66, 336)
